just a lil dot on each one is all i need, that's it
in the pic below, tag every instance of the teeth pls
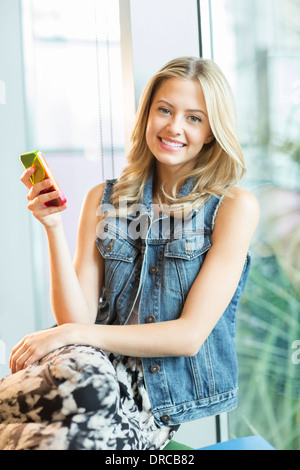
(172, 144)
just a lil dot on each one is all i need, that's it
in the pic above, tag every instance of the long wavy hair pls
(219, 165)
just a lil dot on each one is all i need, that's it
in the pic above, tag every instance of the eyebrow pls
(188, 110)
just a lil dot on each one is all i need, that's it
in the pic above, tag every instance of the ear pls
(209, 139)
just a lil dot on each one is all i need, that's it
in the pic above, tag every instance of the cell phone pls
(42, 172)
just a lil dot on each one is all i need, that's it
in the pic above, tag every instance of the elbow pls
(190, 342)
(192, 351)
(191, 346)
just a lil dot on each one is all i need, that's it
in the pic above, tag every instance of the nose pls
(175, 126)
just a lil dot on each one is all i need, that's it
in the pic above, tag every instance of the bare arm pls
(75, 289)
(208, 299)
(88, 262)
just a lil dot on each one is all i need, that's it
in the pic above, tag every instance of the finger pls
(15, 361)
(39, 202)
(23, 361)
(14, 351)
(30, 356)
(37, 188)
(25, 178)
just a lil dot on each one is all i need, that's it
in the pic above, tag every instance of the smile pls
(172, 144)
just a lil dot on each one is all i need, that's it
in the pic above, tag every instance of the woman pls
(170, 265)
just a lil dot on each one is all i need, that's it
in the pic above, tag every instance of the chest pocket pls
(183, 260)
(119, 255)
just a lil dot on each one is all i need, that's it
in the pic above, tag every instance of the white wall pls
(17, 309)
(162, 30)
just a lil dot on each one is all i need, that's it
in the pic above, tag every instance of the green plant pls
(268, 324)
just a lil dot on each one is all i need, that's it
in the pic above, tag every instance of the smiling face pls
(178, 125)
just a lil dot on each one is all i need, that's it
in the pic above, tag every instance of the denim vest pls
(153, 262)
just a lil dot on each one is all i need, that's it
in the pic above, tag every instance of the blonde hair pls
(220, 163)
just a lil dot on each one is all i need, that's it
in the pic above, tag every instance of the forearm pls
(67, 299)
(167, 339)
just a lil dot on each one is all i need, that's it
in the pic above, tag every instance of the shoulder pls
(241, 201)
(93, 198)
(96, 193)
(238, 214)
(91, 203)
(104, 189)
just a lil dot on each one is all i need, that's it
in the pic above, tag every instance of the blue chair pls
(244, 443)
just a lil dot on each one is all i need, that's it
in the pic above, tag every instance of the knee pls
(85, 378)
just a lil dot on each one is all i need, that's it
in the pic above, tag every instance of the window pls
(74, 81)
(74, 108)
(256, 43)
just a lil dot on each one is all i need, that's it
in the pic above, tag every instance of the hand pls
(37, 345)
(48, 216)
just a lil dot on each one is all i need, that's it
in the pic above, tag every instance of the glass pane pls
(257, 43)
(74, 108)
(74, 79)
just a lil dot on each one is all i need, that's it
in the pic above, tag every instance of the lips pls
(174, 144)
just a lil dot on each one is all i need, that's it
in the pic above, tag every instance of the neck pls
(166, 178)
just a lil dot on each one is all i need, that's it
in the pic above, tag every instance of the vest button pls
(165, 419)
(150, 319)
(109, 247)
(153, 270)
(154, 369)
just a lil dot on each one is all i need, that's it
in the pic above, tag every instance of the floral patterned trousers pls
(79, 398)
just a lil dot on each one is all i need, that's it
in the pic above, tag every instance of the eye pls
(195, 119)
(165, 111)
